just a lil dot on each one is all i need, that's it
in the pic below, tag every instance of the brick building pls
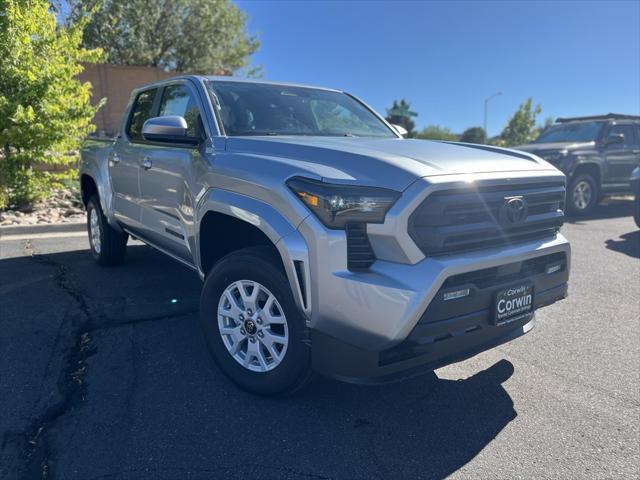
(115, 82)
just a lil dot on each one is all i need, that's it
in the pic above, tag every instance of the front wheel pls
(583, 194)
(251, 324)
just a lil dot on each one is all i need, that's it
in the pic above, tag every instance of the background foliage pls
(44, 109)
(473, 135)
(437, 132)
(400, 114)
(521, 127)
(198, 36)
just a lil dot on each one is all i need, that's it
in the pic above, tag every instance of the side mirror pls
(170, 129)
(615, 138)
(400, 129)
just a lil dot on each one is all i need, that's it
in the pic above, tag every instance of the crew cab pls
(597, 153)
(326, 241)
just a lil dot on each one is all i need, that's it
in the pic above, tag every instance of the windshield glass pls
(264, 109)
(571, 132)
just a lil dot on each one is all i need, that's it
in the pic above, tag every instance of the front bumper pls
(344, 362)
(430, 345)
(390, 322)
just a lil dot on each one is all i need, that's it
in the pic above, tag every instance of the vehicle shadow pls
(428, 425)
(149, 363)
(616, 207)
(629, 244)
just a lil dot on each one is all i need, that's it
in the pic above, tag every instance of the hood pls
(387, 162)
(535, 148)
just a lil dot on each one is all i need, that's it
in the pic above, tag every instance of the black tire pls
(113, 244)
(636, 210)
(582, 181)
(257, 265)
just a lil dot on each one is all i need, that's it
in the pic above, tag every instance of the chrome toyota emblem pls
(514, 211)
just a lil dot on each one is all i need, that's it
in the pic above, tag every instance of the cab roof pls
(214, 78)
(608, 116)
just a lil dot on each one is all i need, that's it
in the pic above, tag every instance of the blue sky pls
(574, 58)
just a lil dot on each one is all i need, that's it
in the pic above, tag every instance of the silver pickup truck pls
(327, 242)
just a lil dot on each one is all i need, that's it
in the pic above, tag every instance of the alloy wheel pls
(94, 230)
(253, 326)
(582, 194)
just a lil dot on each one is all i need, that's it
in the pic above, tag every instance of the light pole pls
(486, 108)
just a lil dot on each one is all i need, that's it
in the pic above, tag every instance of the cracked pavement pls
(104, 375)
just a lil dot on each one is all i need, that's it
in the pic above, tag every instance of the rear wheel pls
(583, 194)
(251, 324)
(108, 246)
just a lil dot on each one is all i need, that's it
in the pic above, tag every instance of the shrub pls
(44, 109)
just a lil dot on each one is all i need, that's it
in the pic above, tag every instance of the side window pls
(627, 132)
(177, 100)
(140, 113)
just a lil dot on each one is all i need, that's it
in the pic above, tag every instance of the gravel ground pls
(62, 207)
(104, 375)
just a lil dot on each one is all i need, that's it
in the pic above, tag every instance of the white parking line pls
(36, 236)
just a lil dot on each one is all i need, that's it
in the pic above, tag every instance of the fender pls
(283, 234)
(582, 160)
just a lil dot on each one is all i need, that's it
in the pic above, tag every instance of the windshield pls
(264, 109)
(571, 132)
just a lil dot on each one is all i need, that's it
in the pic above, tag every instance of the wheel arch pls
(592, 168)
(229, 221)
(88, 188)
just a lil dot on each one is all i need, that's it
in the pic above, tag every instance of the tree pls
(199, 36)
(44, 109)
(474, 135)
(548, 123)
(400, 114)
(521, 127)
(436, 132)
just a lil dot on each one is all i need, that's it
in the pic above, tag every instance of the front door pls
(166, 177)
(623, 157)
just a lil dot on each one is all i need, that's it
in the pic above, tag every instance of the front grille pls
(360, 255)
(458, 220)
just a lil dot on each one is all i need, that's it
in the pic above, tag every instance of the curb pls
(19, 230)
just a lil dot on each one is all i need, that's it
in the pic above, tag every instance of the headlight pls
(556, 157)
(337, 205)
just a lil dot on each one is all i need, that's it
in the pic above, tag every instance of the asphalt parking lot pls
(104, 375)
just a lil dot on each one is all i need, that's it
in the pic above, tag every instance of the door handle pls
(147, 163)
(115, 158)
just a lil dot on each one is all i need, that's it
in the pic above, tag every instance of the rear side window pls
(178, 100)
(140, 113)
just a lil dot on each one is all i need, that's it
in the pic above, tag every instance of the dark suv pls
(596, 153)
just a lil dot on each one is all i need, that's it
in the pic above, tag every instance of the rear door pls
(124, 160)
(167, 175)
(622, 158)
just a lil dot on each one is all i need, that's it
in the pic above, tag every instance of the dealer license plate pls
(513, 304)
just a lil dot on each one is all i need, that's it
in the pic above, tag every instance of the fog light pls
(456, 294)
(554, 268)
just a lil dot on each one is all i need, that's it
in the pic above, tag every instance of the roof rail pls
(608, 116)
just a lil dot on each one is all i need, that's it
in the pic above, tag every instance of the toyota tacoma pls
(326, 241)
